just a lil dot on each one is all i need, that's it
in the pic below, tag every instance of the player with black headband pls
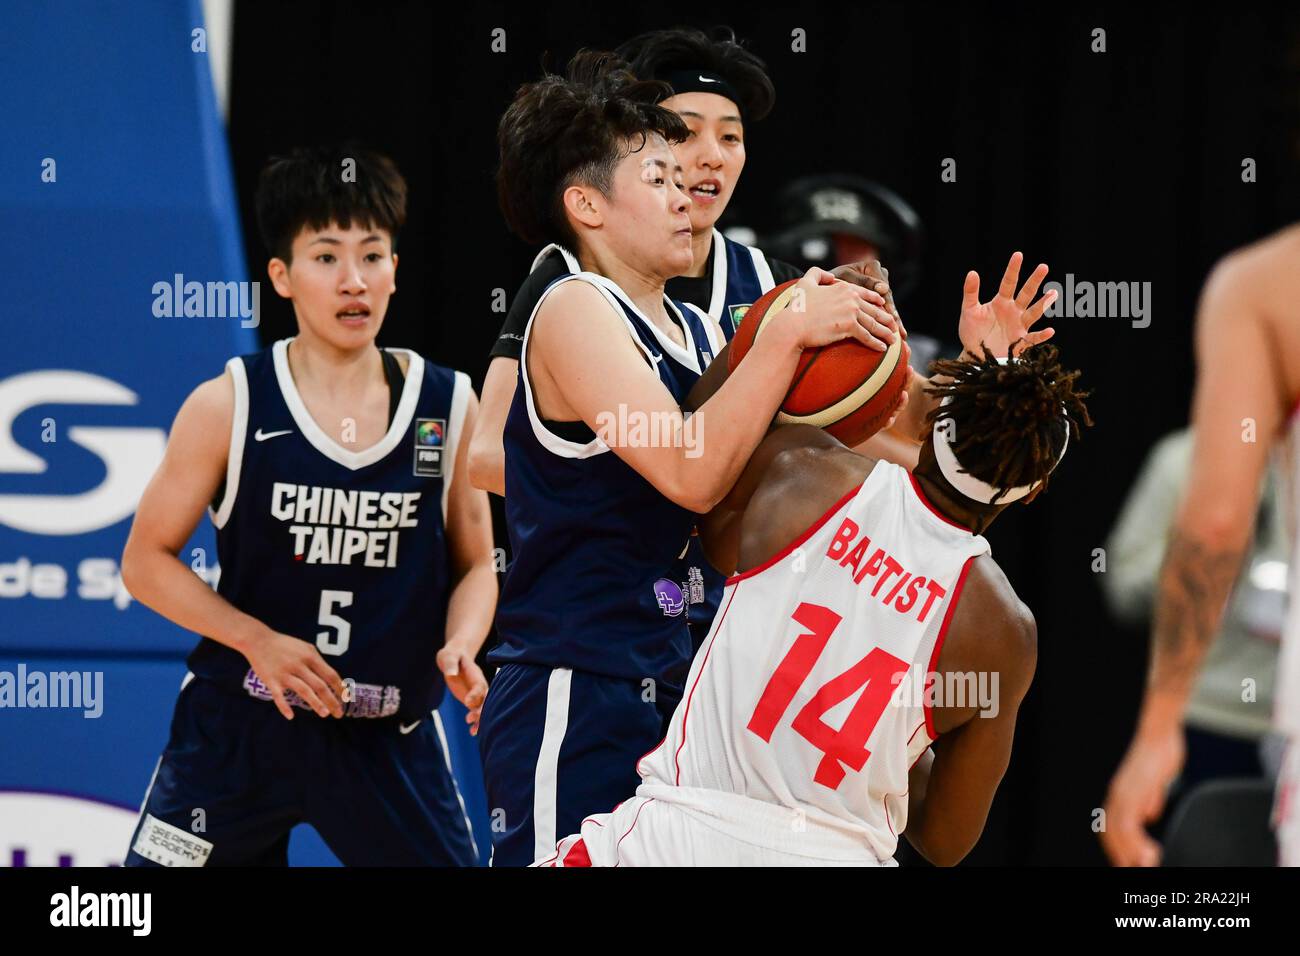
(593, 645)
(718, 89)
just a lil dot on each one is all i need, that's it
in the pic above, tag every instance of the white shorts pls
(1286, 806)
(645, 831)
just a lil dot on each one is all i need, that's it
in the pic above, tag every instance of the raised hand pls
(1006, 318)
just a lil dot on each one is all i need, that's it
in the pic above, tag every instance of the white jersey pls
(804, 708)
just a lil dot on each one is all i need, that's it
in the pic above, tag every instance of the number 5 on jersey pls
(336, 643)
(875, 674)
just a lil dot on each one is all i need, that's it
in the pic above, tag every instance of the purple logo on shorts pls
(670, 597)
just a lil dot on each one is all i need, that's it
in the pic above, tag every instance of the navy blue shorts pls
(236, 777)
(559, 745)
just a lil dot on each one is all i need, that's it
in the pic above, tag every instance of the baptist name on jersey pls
(803, 702)
(340, 526)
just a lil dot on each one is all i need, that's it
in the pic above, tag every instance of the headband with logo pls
(701, 81)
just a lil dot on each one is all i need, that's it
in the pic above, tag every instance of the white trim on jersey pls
(570, 259)
(563, 447)
(717, 341)
(547, 773)
(718, 300)
(235, 456)
(185, 682)
(455, 420)
(684, 354)
(765, 280)
(446, 756)
(326, 445)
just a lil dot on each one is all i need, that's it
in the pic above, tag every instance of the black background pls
(1123, 166)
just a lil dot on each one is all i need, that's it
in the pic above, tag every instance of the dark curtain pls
(1122, 166)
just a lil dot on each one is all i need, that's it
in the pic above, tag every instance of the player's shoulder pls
(804, 473)
(213, 398)
(203, 424)
(806, 457)
(992, 630)
(575, 299)
(1260, 267)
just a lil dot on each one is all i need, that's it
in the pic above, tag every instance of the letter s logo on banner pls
(130, 455)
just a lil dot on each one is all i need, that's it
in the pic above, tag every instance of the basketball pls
(845, 388)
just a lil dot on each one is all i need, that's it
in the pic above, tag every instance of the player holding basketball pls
(593, 646)
(356, 560)
(1245, 406)
(804, 739)
(720, 90)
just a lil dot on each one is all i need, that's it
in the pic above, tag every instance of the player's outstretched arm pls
(1238, 409)
(608, 381)
(992, 633)
(171, 507)
(1007, 318)
(486, 464)
(473, 598)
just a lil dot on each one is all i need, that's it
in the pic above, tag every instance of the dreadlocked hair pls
(1010, 419)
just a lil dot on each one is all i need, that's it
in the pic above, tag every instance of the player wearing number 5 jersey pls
(356, 568)
(864, 674)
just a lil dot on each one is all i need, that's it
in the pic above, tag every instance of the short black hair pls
(560, 131)
(1011, 419)
(657, 53)
(306, 189)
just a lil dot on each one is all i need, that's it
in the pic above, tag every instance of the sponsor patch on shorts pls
(169, 845)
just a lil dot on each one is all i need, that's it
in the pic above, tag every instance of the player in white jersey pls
(870, 624)
(1245, 404)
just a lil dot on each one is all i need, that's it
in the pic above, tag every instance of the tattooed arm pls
(1237, 413)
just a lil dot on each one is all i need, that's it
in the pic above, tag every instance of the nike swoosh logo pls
(408, 727)
(260, 435)
(705, 79)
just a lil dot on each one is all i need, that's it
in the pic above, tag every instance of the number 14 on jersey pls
(876, 675)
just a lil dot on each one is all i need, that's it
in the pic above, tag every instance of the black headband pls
(702, 81)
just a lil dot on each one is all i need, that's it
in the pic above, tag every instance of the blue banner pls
(118, 205)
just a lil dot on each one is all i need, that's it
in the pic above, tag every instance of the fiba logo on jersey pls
(737, 314)
(430, 437)
(670, 597)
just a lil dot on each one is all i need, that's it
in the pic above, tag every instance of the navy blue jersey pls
(737, 277)
(344, 549)
(741, 274)
(591, 583)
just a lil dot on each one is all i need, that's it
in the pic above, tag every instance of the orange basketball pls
(845, 387)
